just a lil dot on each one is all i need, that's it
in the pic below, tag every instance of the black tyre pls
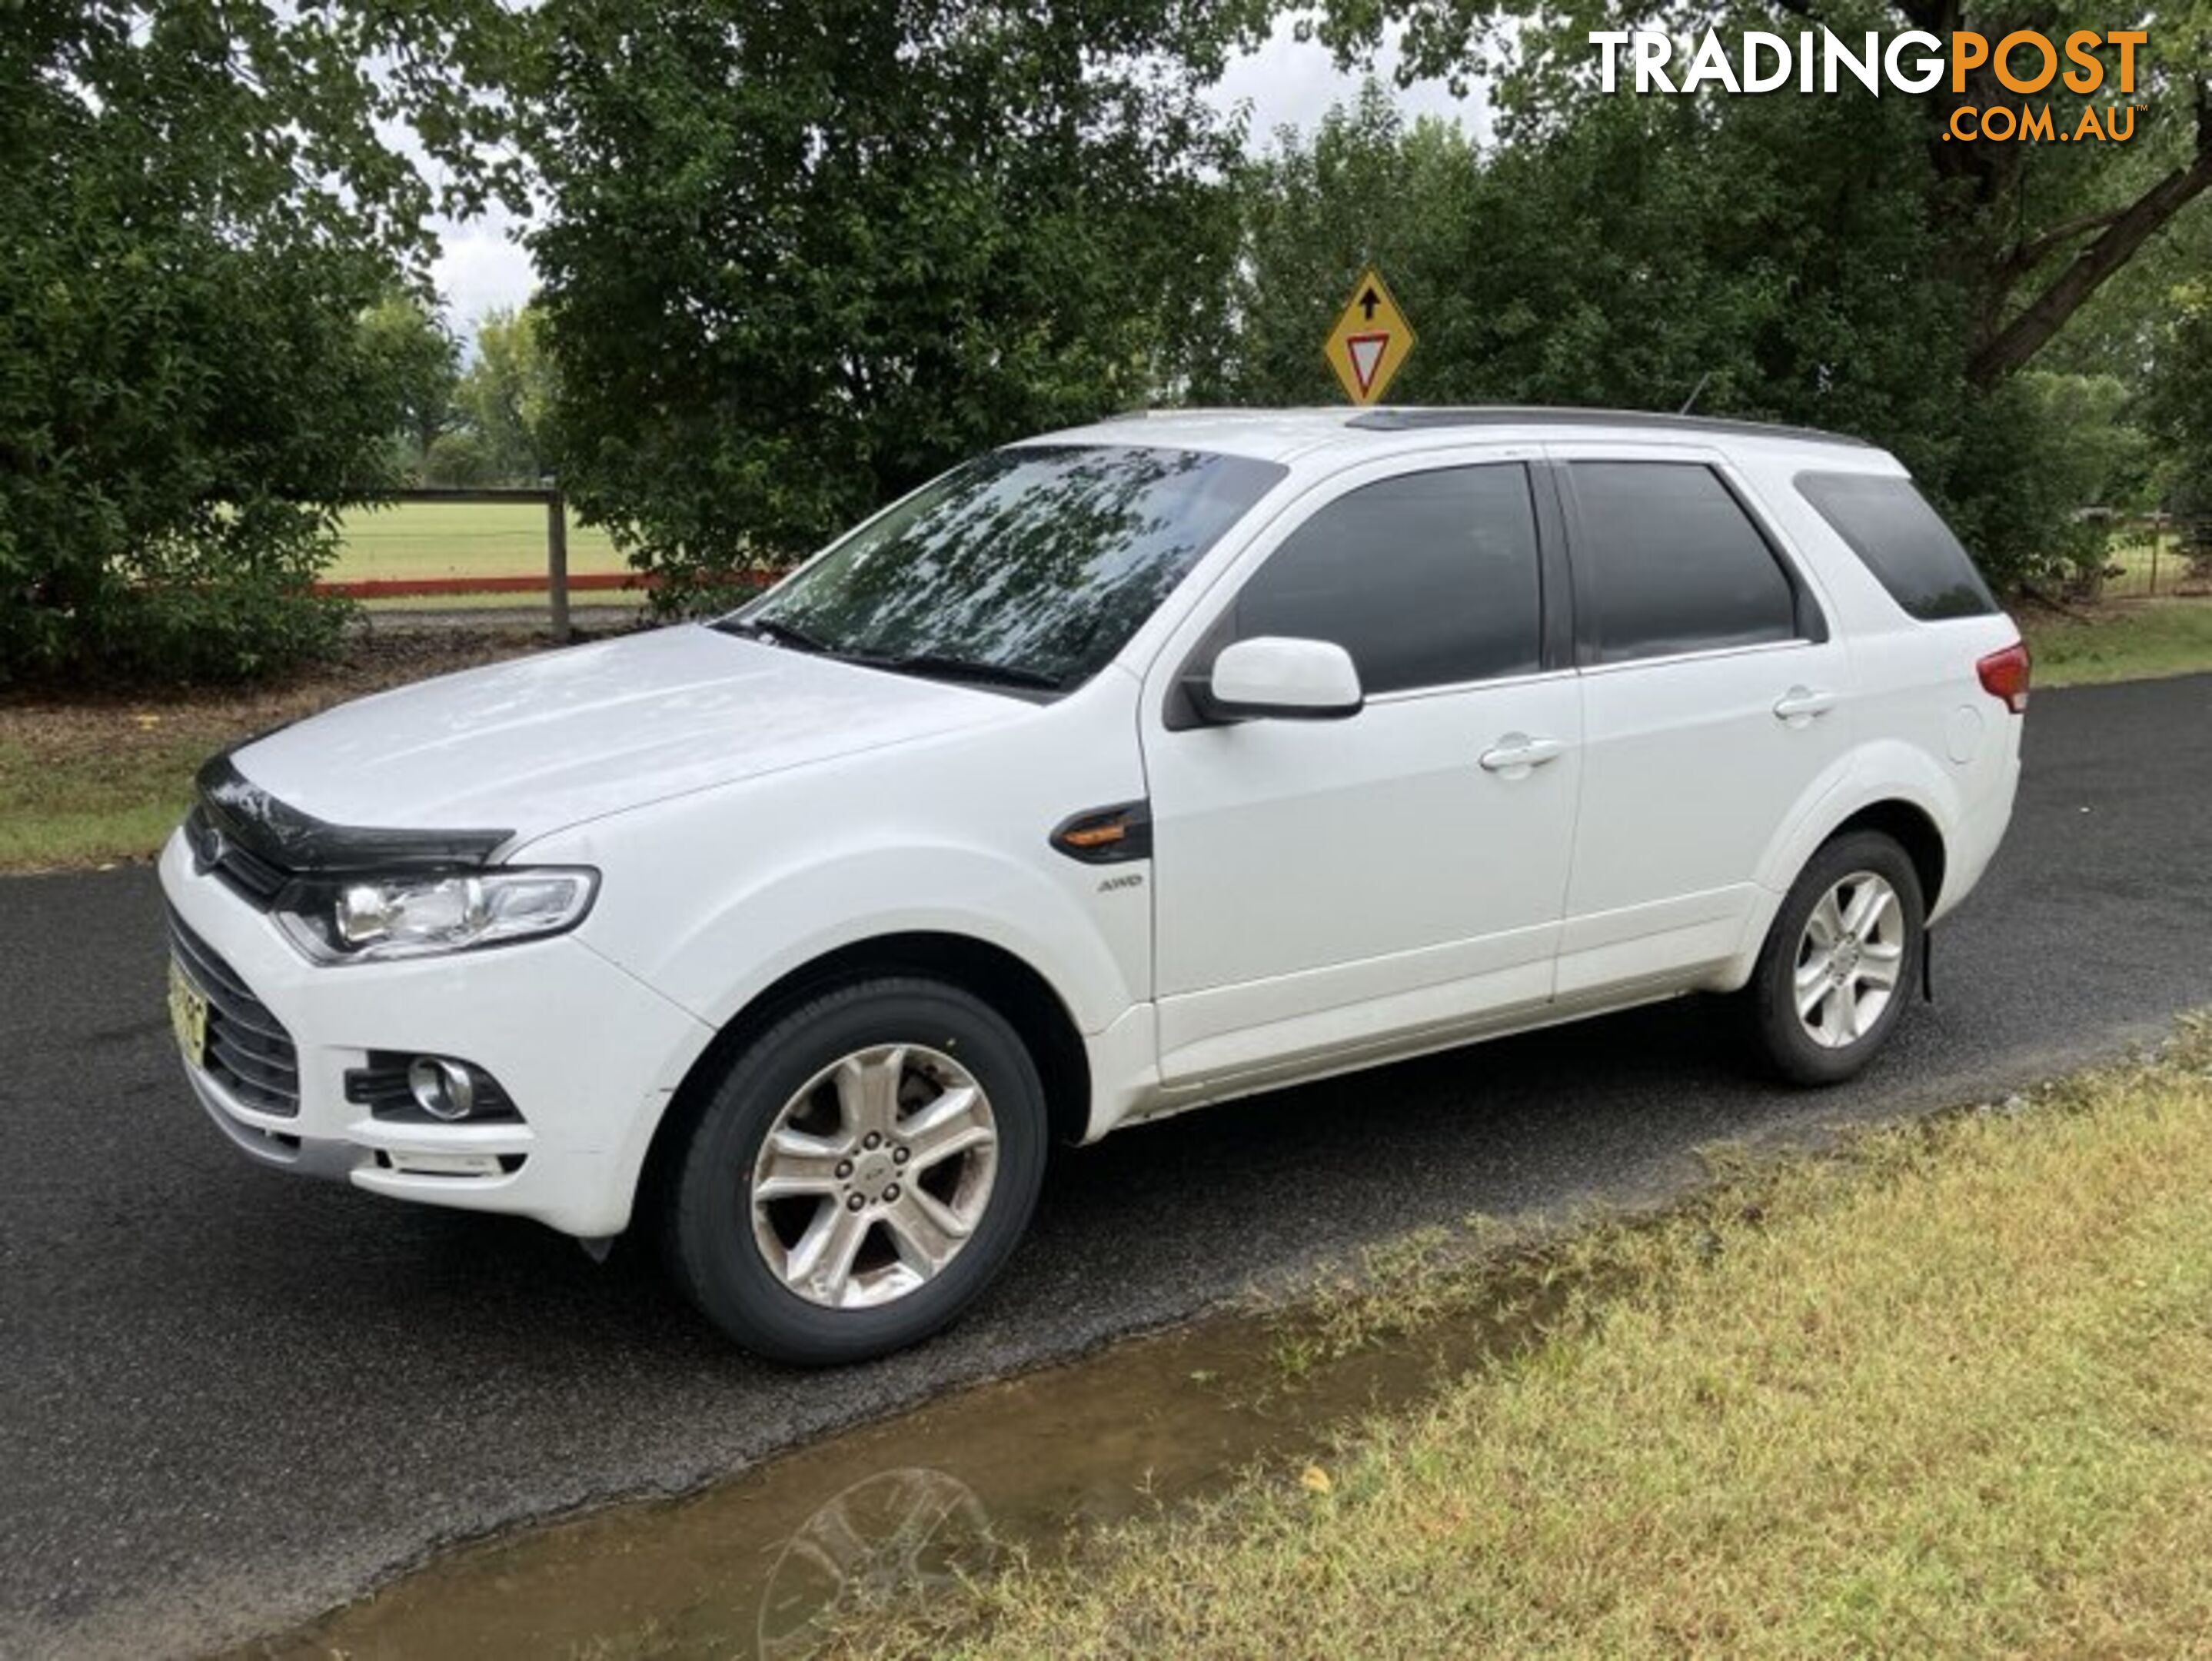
(1841, 961)
(860, 1173)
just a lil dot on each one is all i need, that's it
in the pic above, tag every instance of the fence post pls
(2157, 536)
(556, 560)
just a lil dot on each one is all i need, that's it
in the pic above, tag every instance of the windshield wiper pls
(934, 665)
(783, 634)
(938, 666)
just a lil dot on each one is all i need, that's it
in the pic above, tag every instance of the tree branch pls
(2127, 231)
(2029, 251)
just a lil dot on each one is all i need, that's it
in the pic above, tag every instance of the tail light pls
(2005, 675)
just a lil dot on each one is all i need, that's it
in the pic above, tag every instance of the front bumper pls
(589, 1055)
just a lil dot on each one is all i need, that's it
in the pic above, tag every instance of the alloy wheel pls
(874, 1176)
(1849, 959)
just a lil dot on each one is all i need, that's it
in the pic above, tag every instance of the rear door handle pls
(1516, 753)
(1800, 704)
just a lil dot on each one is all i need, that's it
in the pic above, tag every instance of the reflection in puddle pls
(770, 1562)
(893, 1538)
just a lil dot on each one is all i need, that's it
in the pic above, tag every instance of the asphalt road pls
(230, 1398)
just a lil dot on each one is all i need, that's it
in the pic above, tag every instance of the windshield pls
(1026, 567)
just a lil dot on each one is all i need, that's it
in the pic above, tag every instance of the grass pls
(601, 602)
(88, 782)
(1947, 1392)
(2120, 640)
(419, 539)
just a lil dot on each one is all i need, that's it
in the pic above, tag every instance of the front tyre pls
(1840, 961)
(860, 1173)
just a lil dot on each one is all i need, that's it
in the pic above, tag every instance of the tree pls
(1818, 259)
(1775, 265)
(198, 210)
(2030, 230)
(423, 359)
(2179, 408)
(798, 258)
(460, 457)
(1310, 216)
(507, 394)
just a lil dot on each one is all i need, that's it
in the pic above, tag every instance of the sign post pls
(1370, 342)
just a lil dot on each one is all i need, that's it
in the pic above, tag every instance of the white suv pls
(1114, 773)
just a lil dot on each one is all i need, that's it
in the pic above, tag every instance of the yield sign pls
(1371, 340)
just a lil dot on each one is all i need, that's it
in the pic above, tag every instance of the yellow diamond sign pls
(1370, 342)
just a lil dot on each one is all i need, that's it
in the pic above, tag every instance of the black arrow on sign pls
(1369, 301)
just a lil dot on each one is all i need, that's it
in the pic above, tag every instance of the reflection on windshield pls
(1035, 562)
(895, 1537)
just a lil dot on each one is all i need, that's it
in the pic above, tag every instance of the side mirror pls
(1270, 677)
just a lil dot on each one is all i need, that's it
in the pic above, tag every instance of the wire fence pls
(2150, 557)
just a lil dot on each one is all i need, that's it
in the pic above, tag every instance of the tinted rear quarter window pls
(1903, 541)
(1429, 578)
(1667, 561)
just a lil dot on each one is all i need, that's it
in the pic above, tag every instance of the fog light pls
(442, 1089)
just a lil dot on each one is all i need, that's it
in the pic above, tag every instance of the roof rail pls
(1412, 419)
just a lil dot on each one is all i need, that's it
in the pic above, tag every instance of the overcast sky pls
(1285, 82)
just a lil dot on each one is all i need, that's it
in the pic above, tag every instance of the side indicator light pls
(1107, 835)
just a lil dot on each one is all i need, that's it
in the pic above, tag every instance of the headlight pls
(369, 919)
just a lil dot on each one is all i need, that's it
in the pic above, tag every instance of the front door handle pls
(1516, 754)
(1801, 704)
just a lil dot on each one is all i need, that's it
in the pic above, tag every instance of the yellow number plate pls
(188, 1010)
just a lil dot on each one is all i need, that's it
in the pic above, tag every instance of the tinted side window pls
(1669, 563)
(1898, 538)
(1427, 580)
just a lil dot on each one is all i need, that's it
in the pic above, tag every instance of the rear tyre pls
(1841, 960)
(860, 1174)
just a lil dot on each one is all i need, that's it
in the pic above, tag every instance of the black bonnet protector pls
(284, 836)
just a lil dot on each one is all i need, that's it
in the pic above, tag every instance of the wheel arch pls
(1014, 988)
(1912, 828)
(1891, 796)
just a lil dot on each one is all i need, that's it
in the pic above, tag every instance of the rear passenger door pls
(1717, 708)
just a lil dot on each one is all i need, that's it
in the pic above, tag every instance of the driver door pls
(1348, 887)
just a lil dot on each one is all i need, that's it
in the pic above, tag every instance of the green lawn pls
(1947, 1393)
(601, 603)
(2120, 640)
(418, 539)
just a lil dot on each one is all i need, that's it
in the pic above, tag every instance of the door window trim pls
(1809, 617)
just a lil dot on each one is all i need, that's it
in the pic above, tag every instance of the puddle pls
(769, 1562)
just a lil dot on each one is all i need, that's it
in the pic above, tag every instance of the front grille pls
(247, 876)
(249, 1052)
